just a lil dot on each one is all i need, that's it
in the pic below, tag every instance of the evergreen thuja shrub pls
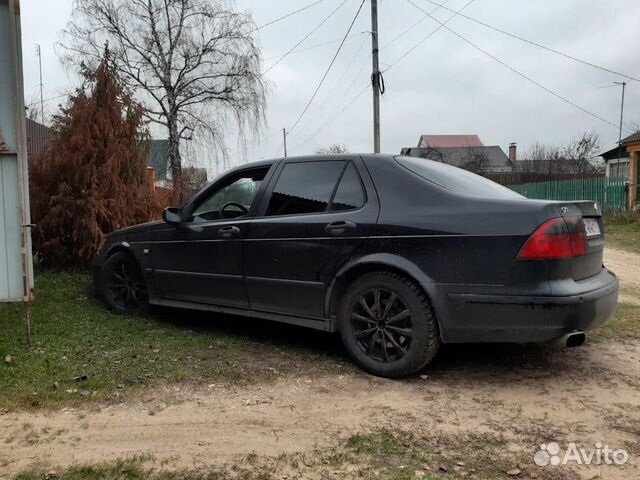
(92, 179)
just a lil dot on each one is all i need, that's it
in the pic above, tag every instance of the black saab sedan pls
(398, 254)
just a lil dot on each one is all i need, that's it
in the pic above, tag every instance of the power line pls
(536, 44)
(295, 124)
(335, 113)
(326, 19)
(517, 72)
(286, 16)
(442, 24)
(335, 87)
(47, 99)
(331, 118)
(395, 39)
(317, 45)
(279, 148)
(402, 34)
(271, 135)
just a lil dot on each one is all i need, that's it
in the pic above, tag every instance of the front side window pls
(305, 187)
(232, 200)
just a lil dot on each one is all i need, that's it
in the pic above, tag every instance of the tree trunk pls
(175, 163)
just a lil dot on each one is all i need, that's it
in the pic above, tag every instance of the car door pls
(200, 260)
(314, 216)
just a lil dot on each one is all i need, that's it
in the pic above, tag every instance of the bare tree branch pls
(335, 148)
(579, 156)
(193, 63)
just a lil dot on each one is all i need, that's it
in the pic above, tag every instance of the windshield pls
(456, 179)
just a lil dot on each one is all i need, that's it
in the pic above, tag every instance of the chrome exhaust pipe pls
(575, 339)
(569, 340)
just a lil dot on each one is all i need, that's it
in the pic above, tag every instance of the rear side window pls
(304, 187)
(456, 179)
(350, 194)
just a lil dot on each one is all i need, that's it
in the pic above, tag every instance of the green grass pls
(76, 336)
(623, 232)
(623, 326)
(624, 237)
(382, 454)
(132, 469)
(137, 469)
(398, 455)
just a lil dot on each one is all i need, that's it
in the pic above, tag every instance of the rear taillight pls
(557, 238)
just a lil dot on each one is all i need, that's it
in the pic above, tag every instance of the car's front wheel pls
(122, 284)
(387, 325)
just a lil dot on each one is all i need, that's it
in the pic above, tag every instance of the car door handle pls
(228, 232)
(340, 228)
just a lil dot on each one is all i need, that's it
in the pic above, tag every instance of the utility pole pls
(375, 76)
(624, 84)
(284, 140)
(39, 53)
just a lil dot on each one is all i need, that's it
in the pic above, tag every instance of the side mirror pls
(172, 215)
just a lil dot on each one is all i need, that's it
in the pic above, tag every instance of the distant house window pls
(619, 169)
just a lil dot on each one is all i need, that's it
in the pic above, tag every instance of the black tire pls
(402, 315)
(122, 285)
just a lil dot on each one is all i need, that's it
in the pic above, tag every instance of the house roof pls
(631, 138)
(449, 141)
(613, 153)
(496, 159)
(38, 137)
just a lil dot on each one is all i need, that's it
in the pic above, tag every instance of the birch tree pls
(194, 64)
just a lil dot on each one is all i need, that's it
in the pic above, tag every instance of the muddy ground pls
(524, 395)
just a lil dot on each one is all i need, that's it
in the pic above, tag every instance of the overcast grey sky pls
(444, 86)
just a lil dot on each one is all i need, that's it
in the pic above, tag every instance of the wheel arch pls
(372, 263)
(120, 247)
(139, 255)
(102, 278)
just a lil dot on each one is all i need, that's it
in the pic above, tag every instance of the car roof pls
(306, 158)
(337, 156)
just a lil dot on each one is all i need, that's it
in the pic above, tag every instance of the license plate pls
(591, 227)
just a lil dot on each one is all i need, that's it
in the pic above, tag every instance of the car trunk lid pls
(589, 217)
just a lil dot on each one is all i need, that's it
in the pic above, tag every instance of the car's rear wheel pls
(387, 325)
(122, 284)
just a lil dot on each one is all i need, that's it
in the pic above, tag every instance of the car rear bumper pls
(486, 317)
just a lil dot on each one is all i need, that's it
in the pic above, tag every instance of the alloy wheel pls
(127, 285)
(381, 325)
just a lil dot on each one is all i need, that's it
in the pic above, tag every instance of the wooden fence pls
(610, 193)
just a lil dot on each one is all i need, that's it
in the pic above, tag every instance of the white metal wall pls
(10, 255)
(15, 241)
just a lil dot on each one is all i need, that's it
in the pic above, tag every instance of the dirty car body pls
(491, 265)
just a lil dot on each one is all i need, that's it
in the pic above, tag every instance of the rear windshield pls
(456, 179)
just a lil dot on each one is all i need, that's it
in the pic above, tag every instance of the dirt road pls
(627, 267)
(524, 395)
